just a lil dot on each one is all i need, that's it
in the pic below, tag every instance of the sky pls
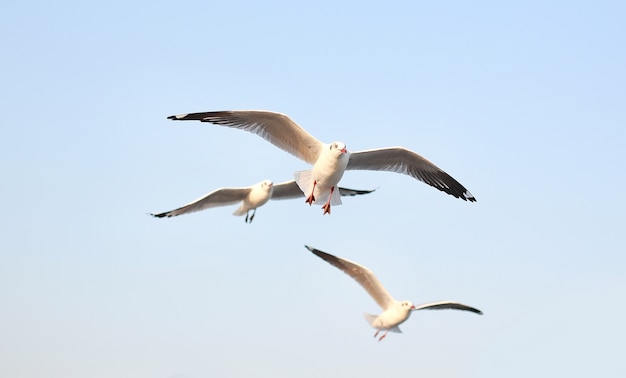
(521, 102)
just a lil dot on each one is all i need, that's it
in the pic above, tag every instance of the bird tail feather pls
(304, 179)
(370, 319)
(335, 200)
(395, 329)
(240, 211)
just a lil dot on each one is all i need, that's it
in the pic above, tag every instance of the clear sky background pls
(524, 103)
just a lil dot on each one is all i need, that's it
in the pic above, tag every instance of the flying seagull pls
(329, 160)
(394, 312)
(251, 198)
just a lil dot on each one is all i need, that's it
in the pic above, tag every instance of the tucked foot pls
(383, 336)
(249, 217)
(326, 208)
(310, 199)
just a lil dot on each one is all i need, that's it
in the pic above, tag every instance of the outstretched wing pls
(360, 274)
(290, 189)
(276, 128)
(286, 190)
(219, 197)
(401, 160)
(345, 192)
(445, 305)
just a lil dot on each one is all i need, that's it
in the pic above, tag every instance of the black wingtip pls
(359, 191)
(158, 215)
(474, 310)
(172, 117)
(467, 196)
(317, 252)
(321, 254)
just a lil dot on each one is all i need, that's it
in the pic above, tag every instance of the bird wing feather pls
(446, 305)
(401, 160)
(360, 274)
(290, 189)
(218, 197)
(347, 192)
(286, 190)
(276, 128)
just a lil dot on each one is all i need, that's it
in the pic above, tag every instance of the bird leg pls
(383, 336)
(326, 206)
(310, 199)
(251, 217)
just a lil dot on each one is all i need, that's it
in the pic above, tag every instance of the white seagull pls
(394, 312)
(329, 160)
(251, 197)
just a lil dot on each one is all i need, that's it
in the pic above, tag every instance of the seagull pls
(329, 160)
(394, 312)
(251, 197)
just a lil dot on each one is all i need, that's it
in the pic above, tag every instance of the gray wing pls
(219, 197)
(286, 190)
(289, 189)
(445, 305)
(401, 160)
(276, 128)
(360, 274)
(345, 192)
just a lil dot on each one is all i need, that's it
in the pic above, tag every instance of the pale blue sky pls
(523, 103)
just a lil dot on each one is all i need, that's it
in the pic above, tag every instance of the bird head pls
(407, 306)
(339, 147)
(267, 184)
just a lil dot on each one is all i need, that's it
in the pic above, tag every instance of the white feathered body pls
(326, 174)
(391, 318)
(258, 196)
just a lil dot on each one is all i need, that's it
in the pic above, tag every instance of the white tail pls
(371, 319)
(336, 198)
(240, 211)
(304, 179)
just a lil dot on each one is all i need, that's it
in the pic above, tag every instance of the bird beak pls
(343, 150)
(413, 307)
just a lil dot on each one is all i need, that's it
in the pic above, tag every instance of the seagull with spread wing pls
(329, 160)
(394, 312)
(251, 197)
